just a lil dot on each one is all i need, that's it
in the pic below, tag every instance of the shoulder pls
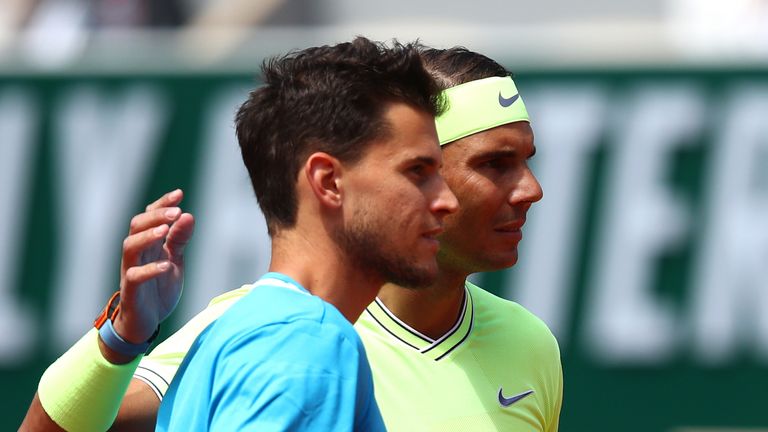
(180, 341)
(507, 318)
(285, 356)
(270, 305)
(508, 311)
(280, 325)
(229, 297)
(159, 367)
(183, 338)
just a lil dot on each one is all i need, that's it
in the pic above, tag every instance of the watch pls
(110, 337)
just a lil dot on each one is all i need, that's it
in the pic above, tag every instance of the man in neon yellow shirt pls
(451, 356)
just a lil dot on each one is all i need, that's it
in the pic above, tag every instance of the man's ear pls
(323, 172)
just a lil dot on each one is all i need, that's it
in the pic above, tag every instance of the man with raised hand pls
(83, 389)
(450, 356)
(342, 151)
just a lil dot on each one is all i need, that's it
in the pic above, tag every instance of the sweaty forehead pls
(509, 138)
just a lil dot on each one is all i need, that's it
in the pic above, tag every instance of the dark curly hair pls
(324, 99)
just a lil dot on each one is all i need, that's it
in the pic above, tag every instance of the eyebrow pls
(502, 153)
(430, 161)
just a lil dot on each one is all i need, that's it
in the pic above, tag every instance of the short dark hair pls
(324, 99)
(458, 65)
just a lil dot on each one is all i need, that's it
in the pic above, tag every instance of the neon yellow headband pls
(477, 106)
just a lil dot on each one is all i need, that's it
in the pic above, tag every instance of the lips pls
(431, 237)
(434, 232)
(514, 226)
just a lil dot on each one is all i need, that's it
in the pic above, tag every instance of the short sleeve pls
(303, 376)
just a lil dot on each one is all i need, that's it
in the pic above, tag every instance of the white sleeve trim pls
(155, 381)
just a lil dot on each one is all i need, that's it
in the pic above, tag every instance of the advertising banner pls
(647, 257)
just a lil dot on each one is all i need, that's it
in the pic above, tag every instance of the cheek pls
(476, 218)
(471, 203)
(463, 223)
(400, 207)
(452, 226)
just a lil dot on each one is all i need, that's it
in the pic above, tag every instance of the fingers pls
(136, 244)
(171, 199)
(162, 223)
(139, 274)
(152, 218)
(179, 235)
(163, 211)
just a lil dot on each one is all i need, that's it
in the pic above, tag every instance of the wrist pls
(113, 356)
(126, 328)
(109, 337)
(112, 345)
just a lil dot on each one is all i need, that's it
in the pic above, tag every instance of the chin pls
(501, 262)
(413, 276)
(428, 274)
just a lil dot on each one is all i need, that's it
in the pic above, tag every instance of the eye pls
(419, 172)
(417, 169)
(498, 163)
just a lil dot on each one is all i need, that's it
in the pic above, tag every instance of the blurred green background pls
(646, 256)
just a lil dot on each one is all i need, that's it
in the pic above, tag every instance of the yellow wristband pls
(82, 391)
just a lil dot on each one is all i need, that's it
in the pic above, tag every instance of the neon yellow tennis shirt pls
(497, 369)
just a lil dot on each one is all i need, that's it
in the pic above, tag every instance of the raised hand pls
(152, 268)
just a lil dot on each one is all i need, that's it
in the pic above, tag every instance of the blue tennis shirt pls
(280, 359)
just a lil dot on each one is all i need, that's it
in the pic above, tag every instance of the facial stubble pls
(373, 249)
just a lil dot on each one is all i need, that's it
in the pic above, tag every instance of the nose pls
(527, 190)
(444, 202)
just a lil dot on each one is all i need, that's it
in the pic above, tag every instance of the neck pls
(322, 269)
(432, 310)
